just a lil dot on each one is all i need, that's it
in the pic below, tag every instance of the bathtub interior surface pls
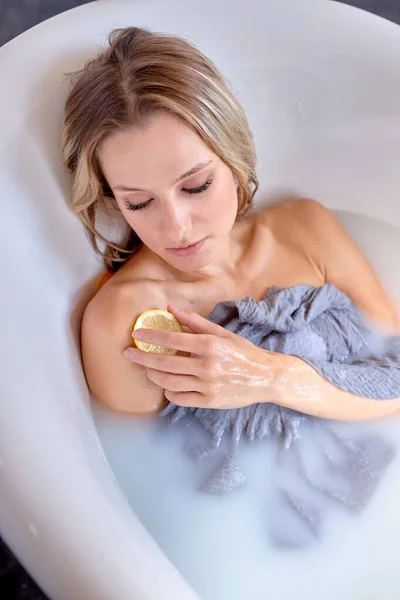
(321, 86)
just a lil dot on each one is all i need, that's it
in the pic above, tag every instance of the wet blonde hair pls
(138, 74)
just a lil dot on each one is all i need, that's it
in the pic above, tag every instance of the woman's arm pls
(106, 331)
(300, 387)
(224, 370)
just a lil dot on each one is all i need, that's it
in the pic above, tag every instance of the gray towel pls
(323, 327)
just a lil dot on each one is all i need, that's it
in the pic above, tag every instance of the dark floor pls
(15, 17)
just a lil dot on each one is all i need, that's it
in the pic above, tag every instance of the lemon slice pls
(156, 319)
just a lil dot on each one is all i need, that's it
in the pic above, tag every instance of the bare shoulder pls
(105, 334)
(116, 305)
(299, 224)
(116, 300)
(304, 212)
(317, 232)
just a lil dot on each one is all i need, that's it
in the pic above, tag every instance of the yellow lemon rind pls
(150, 319)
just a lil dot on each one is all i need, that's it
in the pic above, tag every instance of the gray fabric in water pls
(323, 327)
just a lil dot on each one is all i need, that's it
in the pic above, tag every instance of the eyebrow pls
(192, 171)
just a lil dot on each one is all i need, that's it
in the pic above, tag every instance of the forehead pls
(165, 146)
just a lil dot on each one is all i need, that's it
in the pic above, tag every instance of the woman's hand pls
(223, 370)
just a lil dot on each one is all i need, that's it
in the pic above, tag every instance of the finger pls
(185, 342)
(174, 383)
(197, 323)
(180, 365)
(189, 399)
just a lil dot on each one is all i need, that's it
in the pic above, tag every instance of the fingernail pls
(177, 309)
(137, 335)
(128, 354)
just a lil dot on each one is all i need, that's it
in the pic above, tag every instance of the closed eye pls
(140, 206)
(200, 189)
(197, 190)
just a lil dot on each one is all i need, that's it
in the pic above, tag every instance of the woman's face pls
(172, 190)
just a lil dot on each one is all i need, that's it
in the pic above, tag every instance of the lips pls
(186, 246)
(187, 250)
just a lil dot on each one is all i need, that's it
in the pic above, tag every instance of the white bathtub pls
(321, 85)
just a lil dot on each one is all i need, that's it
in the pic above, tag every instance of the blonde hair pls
(139, 74)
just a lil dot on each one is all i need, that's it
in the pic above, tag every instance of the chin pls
(189, 264)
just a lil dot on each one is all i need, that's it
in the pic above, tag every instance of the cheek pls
(139, 223)
(145, 229)
(223, 203)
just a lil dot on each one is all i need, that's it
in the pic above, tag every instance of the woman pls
(153, 134)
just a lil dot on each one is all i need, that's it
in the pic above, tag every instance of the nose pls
(177, 222)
